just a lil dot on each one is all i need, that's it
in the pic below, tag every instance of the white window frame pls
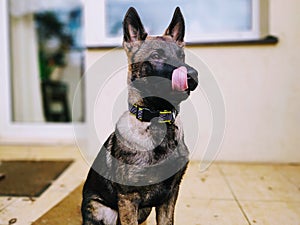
(96, 35)
(17, 132)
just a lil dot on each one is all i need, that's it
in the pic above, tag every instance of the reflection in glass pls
(202, 16)
(46, 60)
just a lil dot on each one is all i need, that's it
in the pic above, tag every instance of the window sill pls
(269, 40)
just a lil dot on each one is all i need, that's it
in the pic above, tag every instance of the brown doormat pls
(29, 178)
(66, 212)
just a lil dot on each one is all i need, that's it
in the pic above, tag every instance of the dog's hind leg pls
(95, 213)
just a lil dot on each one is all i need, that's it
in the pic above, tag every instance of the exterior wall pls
(261, 89)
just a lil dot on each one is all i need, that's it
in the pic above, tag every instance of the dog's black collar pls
(146, 115)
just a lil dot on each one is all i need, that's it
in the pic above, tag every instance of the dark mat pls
(29, 178)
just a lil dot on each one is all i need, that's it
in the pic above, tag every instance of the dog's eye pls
(155, 55)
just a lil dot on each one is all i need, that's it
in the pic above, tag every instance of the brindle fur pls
(137, 144)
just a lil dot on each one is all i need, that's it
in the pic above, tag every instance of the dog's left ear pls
(132, 27)
(176, 28)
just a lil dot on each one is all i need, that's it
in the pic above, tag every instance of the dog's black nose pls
(192, 78)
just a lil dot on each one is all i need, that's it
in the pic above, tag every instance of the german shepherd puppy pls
(141, 164)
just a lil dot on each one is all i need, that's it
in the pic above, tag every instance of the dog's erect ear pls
(132, 27)
(176, 28)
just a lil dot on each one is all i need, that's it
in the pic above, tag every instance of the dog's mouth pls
(171, 83)
(180, 79)
(184, 79)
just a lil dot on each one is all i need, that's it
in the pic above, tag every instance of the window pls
(47, 52)
(42, 59)
(206, 20)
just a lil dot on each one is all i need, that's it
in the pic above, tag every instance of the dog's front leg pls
(165, 212)
(128, 209)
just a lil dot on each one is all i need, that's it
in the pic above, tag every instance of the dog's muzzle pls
(192, 78)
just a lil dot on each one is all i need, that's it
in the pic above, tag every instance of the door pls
(42, 62)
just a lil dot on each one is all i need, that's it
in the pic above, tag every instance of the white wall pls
(261, 89)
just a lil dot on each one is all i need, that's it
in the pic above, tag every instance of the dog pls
(141, 164)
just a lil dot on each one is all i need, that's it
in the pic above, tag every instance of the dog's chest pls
(144, 136)
(159, 193)
(155, 194)
(147, 153)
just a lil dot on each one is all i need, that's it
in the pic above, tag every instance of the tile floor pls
(225, 194)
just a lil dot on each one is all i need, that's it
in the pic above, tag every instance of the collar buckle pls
(146, 115)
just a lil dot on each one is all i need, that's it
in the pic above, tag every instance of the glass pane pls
(47, 59)
(202, 16)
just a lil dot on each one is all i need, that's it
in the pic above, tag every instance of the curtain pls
(27, 97)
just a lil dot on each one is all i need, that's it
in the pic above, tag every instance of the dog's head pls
(157, 68)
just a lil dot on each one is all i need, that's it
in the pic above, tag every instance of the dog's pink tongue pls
(179, 79)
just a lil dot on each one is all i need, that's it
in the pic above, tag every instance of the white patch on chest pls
(137, 135)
